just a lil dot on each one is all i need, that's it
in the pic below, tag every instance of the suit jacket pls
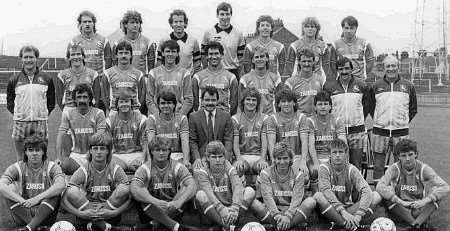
(198, 135)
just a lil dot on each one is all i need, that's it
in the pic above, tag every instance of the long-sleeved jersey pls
(232, 41)
(190, 56)
(395, 103)
(131, 81)
(282, 194)
(30, 98)
(128, 136)
(171, 129)
(98, 185)
(324, 133)
(410, 185)
(353, 103)
(177, 80)
(97, 50)
(225, 82)
(345, 187)
(225, 187)
(67, 80)
(31, 182)
(143, 53)
(359, 52)
(288, 129)
(305, 89)
(277, 55)
(267, 85)
(249, 132)
(163, 183)
(318, 47)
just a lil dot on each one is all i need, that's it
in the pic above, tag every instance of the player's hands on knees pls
(89, 214)
(283, 223)
(175, 204)
(224, 215)
(240, 165)
(31, 202)
(419, 204)
(106, 214)
(262, 164)
(350, 222)
(232, 216)
(406, 204)
(164, 205)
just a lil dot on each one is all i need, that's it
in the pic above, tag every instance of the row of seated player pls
(99, 191)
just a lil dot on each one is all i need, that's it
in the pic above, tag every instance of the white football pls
(253, 226)
(382, 224)
(62, 226)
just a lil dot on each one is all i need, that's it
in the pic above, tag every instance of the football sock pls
(332, 214)
(21, 213)
(423, 216)
(160, 216)
(403, 213)
(42, 213)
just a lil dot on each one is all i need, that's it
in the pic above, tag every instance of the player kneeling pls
(32, 187)
(163, 185)
(344, 197)
(98, 191)
(403, 187)
(221, 195)
(283, 191)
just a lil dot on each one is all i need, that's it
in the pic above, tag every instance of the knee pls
(376, 198)
(69, 166)
(73, 195)
(201, 197)
(249, 194)
(309, 203)
(320, 198)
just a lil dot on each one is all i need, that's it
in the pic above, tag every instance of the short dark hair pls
(81, 88)
(88, 14)
(159, 143)
(29, 48)
(305, 52)
(282, 147)
(265, 18)
(215, 147)
(124, 45)
(178, 12)
(101, 139)
(211, 90)
(322, 96)
(224, 6)
(173, 45)
(131, 14)
(338, 144)
(35, 141)
(251, 92)
(73, 47)
(350, 20)
(167, 95)
(214, 45)
(342, 61)
(285, 94)
(405, 145)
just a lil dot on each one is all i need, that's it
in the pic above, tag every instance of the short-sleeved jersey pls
(97, 49)
(189, 50)
(410, 185)
(266, 85)
(127, 135)
(341, 184)
(318, 47)
(282, 187)
(249, 132)
(288, 129)
(70, 80)
(220, 182)
(306, 89)
(171, 129)
(325, 132)
(163, 183)
(141, 52)
(99, 185)
(232, 41)
(129, 81)
(276, 52)
(32, 182)
(357, 51)
(177, 80)
(223, 80)
(82, 126)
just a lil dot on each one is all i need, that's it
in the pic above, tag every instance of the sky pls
(49, 24)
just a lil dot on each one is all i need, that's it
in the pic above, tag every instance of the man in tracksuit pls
(30, 98)
(394, 106)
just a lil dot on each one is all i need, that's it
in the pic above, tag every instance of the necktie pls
(210, 127)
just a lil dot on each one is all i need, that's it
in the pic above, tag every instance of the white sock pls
(175, 228)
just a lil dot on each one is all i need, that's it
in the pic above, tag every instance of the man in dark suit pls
(208, 124)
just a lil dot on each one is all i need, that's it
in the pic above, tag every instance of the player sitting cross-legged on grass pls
(404, 187)
(344, 197)
(163, 186)
(283, 191)
(98, 191)
(250, 144)
(221, 196)
(32, 187)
